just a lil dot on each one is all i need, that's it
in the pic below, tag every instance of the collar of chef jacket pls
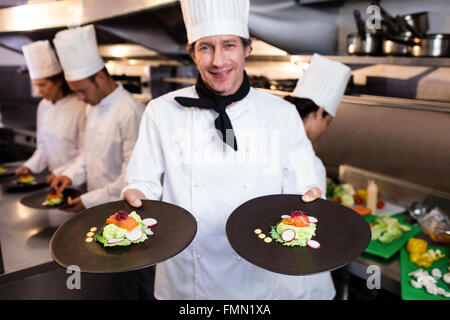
(111, 98)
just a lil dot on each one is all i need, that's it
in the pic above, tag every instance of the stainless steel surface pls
(417, 210)
(25, 233)
(66, 13)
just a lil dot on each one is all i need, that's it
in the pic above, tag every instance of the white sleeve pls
(81, 127)
(38, 161)
(299, 171)
(129, 132)
(146, 166)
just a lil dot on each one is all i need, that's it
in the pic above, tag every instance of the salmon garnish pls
(123, 220)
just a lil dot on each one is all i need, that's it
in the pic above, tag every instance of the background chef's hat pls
(204, 18)
(41, 60)
(78, 52)
(324, 82)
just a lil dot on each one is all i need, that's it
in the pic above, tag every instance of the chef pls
(209, 148)
(317, 97)
(112, 120)
(60, 115)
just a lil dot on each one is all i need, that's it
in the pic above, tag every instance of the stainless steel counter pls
(29, 270)
(25, 233)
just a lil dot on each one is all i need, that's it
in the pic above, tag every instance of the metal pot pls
(399, 46)
(417, 22)
(433, 45)
(370, 45)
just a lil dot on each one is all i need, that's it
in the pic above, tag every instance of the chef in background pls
(211, 147)
(317, 97)
(112, 120)
(60, 115)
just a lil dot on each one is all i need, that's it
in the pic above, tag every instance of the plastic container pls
(436, 225)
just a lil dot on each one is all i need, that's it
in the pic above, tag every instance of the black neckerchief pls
(210, 100)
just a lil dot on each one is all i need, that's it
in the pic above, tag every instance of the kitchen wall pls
(411, 145)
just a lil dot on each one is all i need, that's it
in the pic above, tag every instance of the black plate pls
(342, 233)
(10, 169)
(175, 230)
(10, 184)
(36, 199)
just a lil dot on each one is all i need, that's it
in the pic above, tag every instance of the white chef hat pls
(41, 60)
(204, 18)
(78, 52)
(324, 82)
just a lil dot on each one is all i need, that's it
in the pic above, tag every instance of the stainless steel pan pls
(370, 45)
(433, 45)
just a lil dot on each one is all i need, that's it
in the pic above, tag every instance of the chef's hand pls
(134, 197)
(23, 171)
(50, 178)
(312, 194)
(76, 205)
(59, 183)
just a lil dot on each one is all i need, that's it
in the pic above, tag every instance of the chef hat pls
(78, 52)
(41, 60)
(204, 18)
(324, 82)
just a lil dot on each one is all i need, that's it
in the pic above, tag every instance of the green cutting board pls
(386, 251)
(406, 266)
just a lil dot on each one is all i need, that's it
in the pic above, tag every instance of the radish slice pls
(288, 235)
(149, 222)
(149, 232)
(114, 240)
(285, 216)
(312, 219)
(313, 244)
(135, 234)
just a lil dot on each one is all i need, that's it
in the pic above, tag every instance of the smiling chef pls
(209, 148)
(112, 114)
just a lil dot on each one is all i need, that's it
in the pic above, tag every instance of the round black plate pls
(10, 184)
(342, 233)
(9, 170)
(175, 230)
(36, 199)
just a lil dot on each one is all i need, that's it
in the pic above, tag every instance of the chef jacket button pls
(247, 149)
(196, 185)
(198, 256)
(244, 186)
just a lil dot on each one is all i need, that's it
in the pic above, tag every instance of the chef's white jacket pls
(111, 132)
(179, 158)
(59, 133)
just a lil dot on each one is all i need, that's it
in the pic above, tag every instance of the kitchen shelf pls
(409, 61)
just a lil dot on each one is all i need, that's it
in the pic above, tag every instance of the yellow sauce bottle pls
(372, 194)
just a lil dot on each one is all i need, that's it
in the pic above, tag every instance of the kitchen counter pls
(29, 271)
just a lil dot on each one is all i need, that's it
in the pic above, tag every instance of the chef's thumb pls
(132, 199)
(312, 194)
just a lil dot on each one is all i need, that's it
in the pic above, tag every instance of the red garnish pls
(298, 219)
(121, 215)
(297, 214)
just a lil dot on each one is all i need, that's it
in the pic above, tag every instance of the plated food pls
(124, 228)
(295, 230)
(2, 170)
(26, 179)
(54, 198)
